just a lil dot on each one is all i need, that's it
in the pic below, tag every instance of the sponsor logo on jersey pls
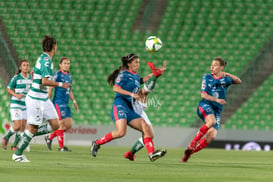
(203, 84)
(215, 94)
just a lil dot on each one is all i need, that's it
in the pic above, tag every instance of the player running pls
(126, 83)
(209, 109)
(141, 104)
(18, 88)
(61, 100)
(39, 107)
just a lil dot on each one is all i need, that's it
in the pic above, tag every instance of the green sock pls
(150, 84)
(24, 142)
(43, 129)
(10, 133)
(138, 146)
(17, 139)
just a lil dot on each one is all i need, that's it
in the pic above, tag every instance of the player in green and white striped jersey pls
(18, 88)
(39, 106)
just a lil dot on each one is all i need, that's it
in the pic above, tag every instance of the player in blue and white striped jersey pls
(18, 88)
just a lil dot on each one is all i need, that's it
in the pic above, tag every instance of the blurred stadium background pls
(94, 34)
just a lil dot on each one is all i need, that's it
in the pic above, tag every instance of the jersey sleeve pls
(12, 83)
(229, 81)
(120, 80)
(141, 81)
(204, 86)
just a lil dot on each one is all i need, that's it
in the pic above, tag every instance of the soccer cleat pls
(19, 158)
(157, 154)
(5, 143)
(156, 71)
(192, 145)
(64, 149)
(94, 148)
(13, 148)
(48, 142)
(130, 156)
(187, 154)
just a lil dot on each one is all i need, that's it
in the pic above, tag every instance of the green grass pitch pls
(110, 166)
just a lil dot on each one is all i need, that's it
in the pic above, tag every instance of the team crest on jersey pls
(16, 113)
(46, 58)
(208, 110)
(121, 113)
(223, 83)
(62, 113)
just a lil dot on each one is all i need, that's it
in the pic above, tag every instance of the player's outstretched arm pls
(146, 78)
(47, 82)
(208, 97)
(50, 92)
(235, 79)
(71, 96)
(163, 68)
(12, 92)
(125, 92)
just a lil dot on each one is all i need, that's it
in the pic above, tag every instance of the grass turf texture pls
(110, 165)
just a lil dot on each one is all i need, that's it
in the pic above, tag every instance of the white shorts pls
(38, 110)
(18, 114)
(146, 119)
(139, 108)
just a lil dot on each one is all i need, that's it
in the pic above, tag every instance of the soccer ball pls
(153, 44)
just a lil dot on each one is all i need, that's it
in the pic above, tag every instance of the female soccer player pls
(141, 104)
(61, 100)
(18, 88)
(213, 94)
(39, 107)
(126, 84)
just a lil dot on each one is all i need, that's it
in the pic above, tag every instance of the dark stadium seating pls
(94, 34)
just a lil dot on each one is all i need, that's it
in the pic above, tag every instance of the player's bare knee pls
(54, 126)
(147, 131)
(121, 133)
(211, 135)
(16, 127)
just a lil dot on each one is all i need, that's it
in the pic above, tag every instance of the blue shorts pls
(63, 111)
(122, 110)
(204, 109)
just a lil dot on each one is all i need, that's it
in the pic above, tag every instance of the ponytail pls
(48, 43)
(112, 77)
